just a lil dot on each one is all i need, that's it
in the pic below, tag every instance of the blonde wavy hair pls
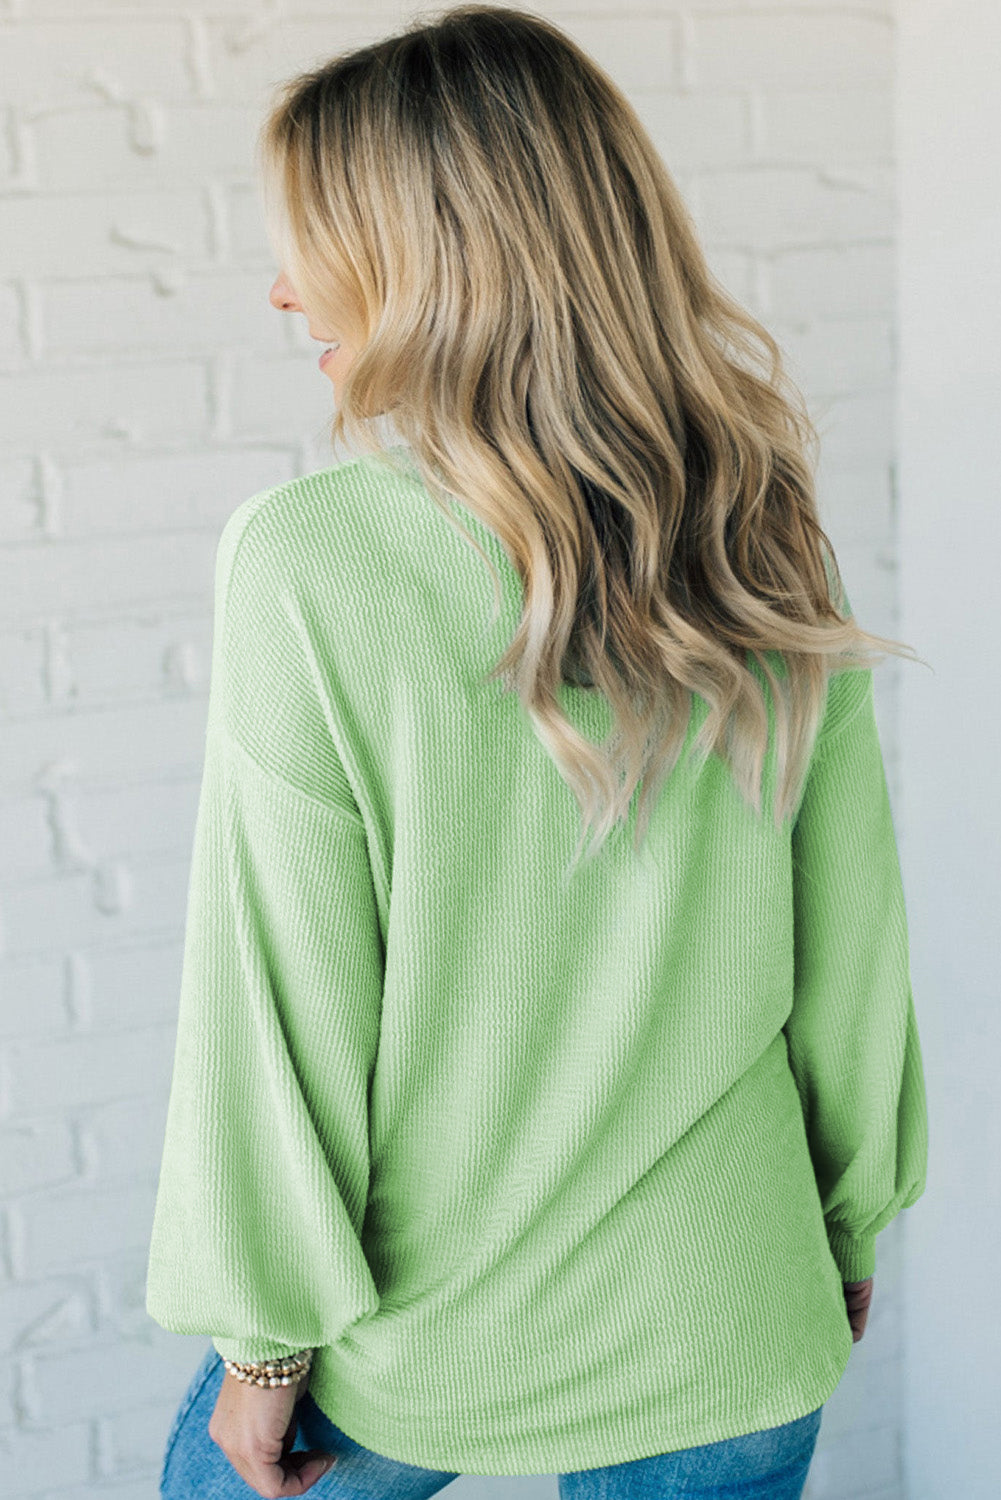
(477, 205)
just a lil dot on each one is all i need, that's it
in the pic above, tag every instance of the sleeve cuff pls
(854, 1254)
(252, 1350)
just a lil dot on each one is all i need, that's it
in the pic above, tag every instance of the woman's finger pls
(858, 1299)
(292, 1475)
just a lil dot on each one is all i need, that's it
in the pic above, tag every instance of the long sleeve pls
(852, 1036)
(265, 1166)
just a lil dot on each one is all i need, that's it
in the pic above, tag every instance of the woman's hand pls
(255, 1426)
(858, 1296)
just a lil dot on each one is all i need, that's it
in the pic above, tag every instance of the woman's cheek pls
(337, 367)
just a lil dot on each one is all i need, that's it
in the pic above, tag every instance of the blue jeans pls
(767, 1465)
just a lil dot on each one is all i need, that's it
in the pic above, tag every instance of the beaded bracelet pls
(287, 1371)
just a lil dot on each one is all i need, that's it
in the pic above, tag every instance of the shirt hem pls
(613, 1440)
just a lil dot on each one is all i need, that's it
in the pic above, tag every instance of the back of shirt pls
(552, 1172)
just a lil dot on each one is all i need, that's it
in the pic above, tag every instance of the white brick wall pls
(147, 387)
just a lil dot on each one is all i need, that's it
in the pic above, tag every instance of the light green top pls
(552, 1174)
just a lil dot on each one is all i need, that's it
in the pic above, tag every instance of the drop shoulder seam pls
(256, 505)
(342, 814)
(832, 734)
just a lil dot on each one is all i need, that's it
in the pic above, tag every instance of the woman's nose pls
(282, 296)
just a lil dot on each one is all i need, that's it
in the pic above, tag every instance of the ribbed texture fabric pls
(551, 1174)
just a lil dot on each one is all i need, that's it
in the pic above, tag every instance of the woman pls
(528, 1159)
